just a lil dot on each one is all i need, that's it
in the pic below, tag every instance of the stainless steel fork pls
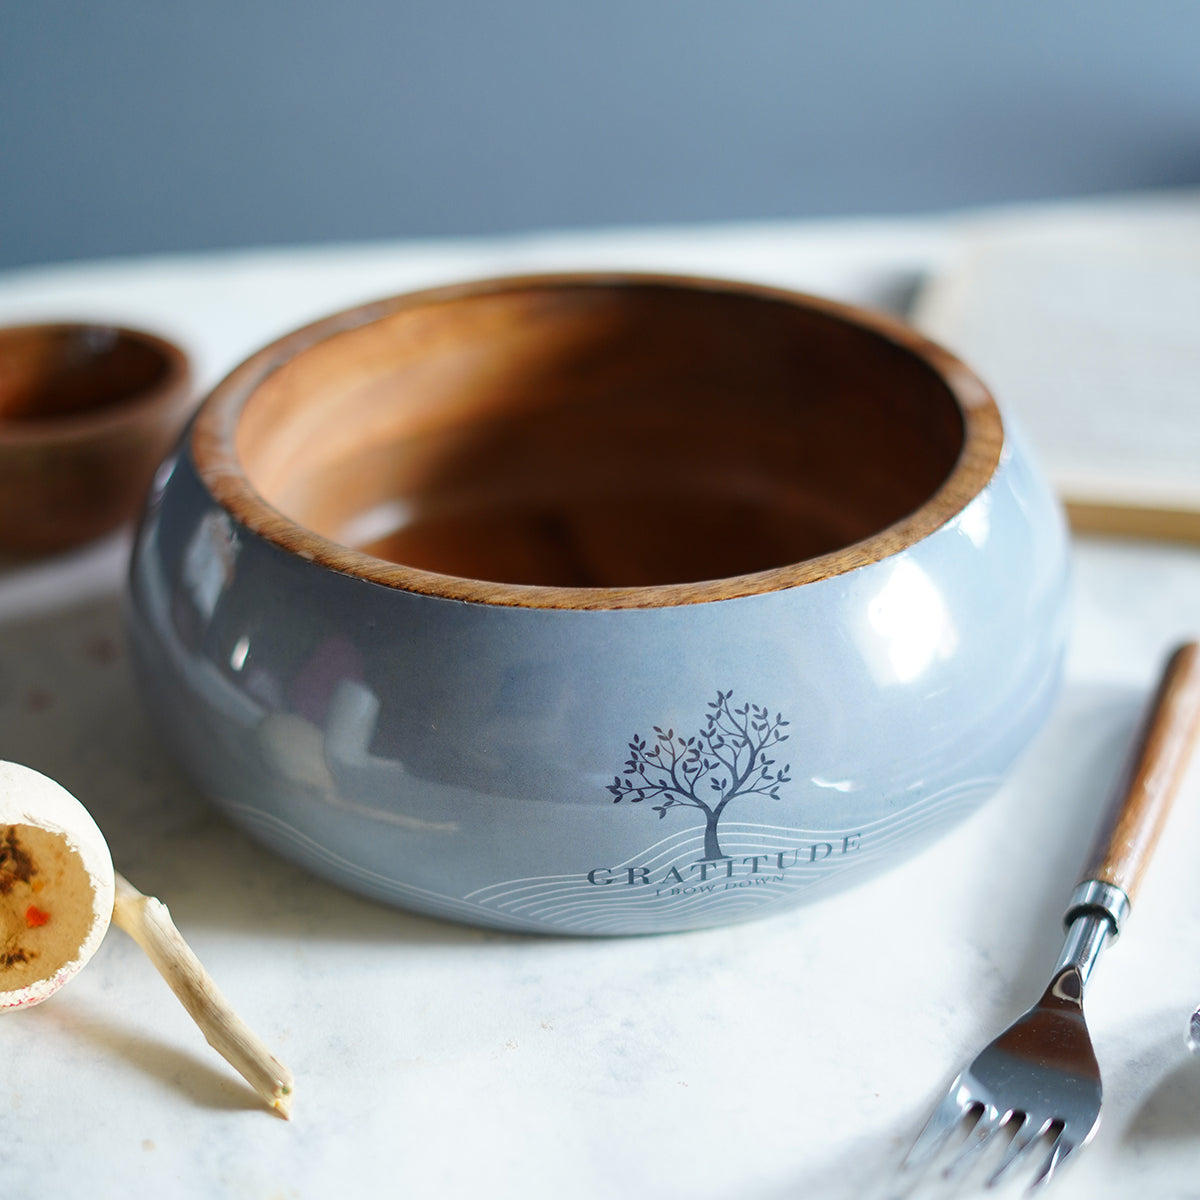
(1039, 1080)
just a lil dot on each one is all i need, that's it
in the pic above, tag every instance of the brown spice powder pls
(15, 864)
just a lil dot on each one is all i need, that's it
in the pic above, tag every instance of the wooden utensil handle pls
(1151, 777)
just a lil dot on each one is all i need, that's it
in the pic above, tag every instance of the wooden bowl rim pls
(213, 449)
(172, 387)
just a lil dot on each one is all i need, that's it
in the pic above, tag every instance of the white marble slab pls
(795, 1056)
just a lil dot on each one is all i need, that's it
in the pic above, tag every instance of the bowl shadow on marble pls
(69, 707)
(1170, 1112)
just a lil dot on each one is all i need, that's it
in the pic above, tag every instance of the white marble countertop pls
(798, 1055)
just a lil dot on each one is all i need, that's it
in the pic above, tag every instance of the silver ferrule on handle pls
(1103, 899)
(1094, 917)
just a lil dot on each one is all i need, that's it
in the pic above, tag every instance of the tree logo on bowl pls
(686, 877)
(727, 759)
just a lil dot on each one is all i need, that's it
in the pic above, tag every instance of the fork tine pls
(990, 1122)
(1062, 1146)
(954, 1106)
(1025, 1136)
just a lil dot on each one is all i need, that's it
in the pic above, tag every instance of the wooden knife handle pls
(1151, 776)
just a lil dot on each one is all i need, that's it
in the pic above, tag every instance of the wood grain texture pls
(598, 441)
(1152, 775)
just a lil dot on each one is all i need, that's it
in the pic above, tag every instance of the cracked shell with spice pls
(56, 886)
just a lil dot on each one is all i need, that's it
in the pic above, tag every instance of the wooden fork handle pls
(1151, 777)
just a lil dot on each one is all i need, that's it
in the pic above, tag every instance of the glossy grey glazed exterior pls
(483, 762)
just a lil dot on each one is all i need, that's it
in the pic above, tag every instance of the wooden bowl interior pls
(600, 436)
(51, 372)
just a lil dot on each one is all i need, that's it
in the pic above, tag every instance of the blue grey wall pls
(150, 125)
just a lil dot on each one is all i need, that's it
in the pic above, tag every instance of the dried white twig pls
(147, 921)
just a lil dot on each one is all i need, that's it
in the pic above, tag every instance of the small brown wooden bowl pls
(87, 412)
